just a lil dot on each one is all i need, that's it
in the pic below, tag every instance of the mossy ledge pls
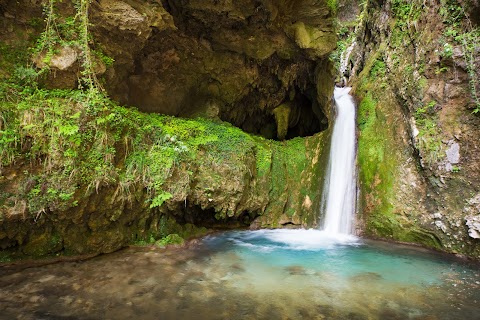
(80, 174)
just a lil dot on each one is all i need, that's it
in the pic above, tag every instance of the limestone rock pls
(453, 155)
(63, 59)
(123, 15)
(473, 224)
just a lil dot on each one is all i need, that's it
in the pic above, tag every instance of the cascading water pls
(340, 183)
(344, 58)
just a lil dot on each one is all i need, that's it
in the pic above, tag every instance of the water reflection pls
(249, 275)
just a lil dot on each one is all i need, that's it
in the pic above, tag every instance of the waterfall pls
(344, 58)
(340, 184)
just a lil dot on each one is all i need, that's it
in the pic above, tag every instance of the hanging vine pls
(69, 32)
(89, 77)
(462, 31)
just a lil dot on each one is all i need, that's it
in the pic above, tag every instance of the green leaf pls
(160, 199)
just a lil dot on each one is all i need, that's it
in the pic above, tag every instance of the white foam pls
(341, 91)
(254, 247)
(295, 239)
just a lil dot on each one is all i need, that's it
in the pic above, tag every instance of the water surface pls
(267, 274)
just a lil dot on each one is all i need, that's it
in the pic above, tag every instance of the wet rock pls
(436, 90)
(367, 276)
(440, 133)
(296, 270)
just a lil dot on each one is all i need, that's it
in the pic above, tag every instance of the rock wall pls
(259, 184)
(412, 71)
(237, 61)
(84, 175)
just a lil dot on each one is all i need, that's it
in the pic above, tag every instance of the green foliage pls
(50, 193)
(69, 144)
(70, 31)
(378, 69)
(108, 61)
(160, 199)
(9, 136)
(452, 12)
(263, 153)
(441, 70)
(170, 239)
(421, 112)
(345, 38)
(371, 146)
(461, 31)
(405, 12)
(5, 257)
(332, 5)
(447, 50)
(429, 140)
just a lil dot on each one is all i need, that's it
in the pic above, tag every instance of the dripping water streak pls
(340, 183)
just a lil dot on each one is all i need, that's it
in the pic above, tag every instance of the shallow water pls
(268, 274)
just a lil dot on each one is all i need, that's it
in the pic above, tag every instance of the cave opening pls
(279, 103)
(298, 115)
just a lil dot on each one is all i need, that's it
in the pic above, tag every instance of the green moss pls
(169, 240)
(332, 5)
(378, 159)
(80, 143)
(5, 256)
(371, 144)
(429, 136)
(43, 244)
(263, 157)
(161, 228)
(288, 164)
(395, 227)
(378, 69)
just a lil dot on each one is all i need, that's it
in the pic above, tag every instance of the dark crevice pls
(208, 218)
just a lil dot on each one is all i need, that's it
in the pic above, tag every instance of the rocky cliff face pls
(237, 61)
(415, 72)
(79, 174)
